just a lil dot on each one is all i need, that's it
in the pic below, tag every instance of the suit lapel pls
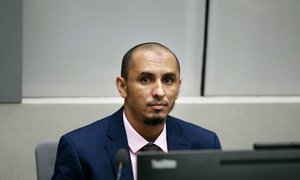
(175, 136)
(116, 140)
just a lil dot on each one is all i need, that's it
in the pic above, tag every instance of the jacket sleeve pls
(67, 164)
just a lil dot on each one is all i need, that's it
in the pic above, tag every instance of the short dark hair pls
(127, 58)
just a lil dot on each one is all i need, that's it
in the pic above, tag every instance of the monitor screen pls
(216, 165)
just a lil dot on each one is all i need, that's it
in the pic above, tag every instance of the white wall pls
(253, 48)
(238, 122)
(75, 48)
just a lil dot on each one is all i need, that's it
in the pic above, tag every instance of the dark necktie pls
(150, 147)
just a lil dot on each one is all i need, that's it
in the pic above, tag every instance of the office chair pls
(45, 155)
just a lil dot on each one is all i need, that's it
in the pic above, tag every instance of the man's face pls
(152, 86)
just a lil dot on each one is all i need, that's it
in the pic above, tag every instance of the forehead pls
(154, 59)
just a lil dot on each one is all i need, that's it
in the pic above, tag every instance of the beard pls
(157, 120)
(154, 121)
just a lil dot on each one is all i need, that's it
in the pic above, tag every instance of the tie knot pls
(150, 147)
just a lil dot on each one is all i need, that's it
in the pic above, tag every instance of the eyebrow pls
(146, 73)
(170, 74)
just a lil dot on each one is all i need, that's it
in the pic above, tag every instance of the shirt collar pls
(136, 141)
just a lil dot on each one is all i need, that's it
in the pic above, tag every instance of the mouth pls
(158, 106)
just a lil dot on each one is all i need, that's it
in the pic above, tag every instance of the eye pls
(145, 80)
(169, 80)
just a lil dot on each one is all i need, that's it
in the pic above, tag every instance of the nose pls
(158, 91)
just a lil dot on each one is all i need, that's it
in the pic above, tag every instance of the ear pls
(122, 87)
(179, 88)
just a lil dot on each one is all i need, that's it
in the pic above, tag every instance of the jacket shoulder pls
(197, 136)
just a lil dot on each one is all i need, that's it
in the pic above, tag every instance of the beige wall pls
(238, 124)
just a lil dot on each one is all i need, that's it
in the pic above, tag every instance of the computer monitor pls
(215, 165)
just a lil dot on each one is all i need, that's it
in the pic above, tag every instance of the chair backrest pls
(45, 155)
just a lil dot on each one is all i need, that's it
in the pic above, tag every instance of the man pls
(149, 83)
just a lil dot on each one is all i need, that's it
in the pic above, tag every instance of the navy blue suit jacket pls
(89, 152)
